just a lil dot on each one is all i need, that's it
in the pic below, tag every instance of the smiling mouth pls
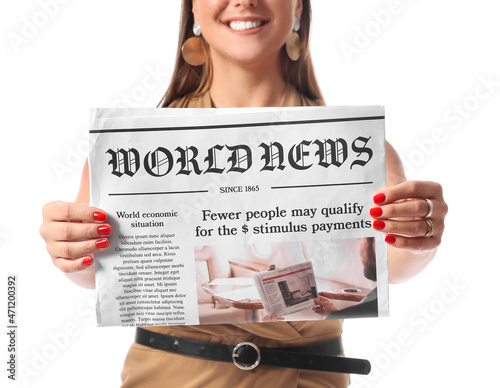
(245, 25)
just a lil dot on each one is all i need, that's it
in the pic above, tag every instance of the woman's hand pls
(403, 213)
(73, 232)
(324, 306)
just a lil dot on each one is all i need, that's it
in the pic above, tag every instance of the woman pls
(246, 64)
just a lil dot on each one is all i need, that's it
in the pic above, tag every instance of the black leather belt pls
(246, 355)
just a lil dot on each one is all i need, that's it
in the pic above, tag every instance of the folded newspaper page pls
(287, 290)
(238, 215)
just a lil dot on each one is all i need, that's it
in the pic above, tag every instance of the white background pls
(422, 59)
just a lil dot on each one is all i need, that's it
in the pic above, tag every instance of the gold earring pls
(192, 50)
(293, 43)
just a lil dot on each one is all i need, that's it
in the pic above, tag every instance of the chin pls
(249, 58)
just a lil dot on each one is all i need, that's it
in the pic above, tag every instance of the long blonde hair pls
(190, 80)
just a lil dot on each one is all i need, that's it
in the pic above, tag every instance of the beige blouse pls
(291, 97)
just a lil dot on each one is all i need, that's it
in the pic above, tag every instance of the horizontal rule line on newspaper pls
(161, 193)
(321, 185)
(242, 125)
(285, 274)
(274, 188)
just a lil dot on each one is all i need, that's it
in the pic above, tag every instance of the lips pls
(245, 23)
(240, 25)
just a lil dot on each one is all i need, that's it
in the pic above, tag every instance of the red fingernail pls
(100, 216)
(390, 239)
(376, 211)
(102, 243)
(104, 230)
(379, 198)
(378, 224)
(87, 261)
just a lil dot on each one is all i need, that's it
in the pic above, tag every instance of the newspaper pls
(287, 290)
(204, 201)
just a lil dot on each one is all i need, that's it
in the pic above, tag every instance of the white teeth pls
(241, 26)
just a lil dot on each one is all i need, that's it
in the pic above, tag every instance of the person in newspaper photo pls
(247, 54)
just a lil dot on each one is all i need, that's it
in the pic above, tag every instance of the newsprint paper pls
(238, 215)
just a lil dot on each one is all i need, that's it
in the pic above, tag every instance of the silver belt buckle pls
(235, 356)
